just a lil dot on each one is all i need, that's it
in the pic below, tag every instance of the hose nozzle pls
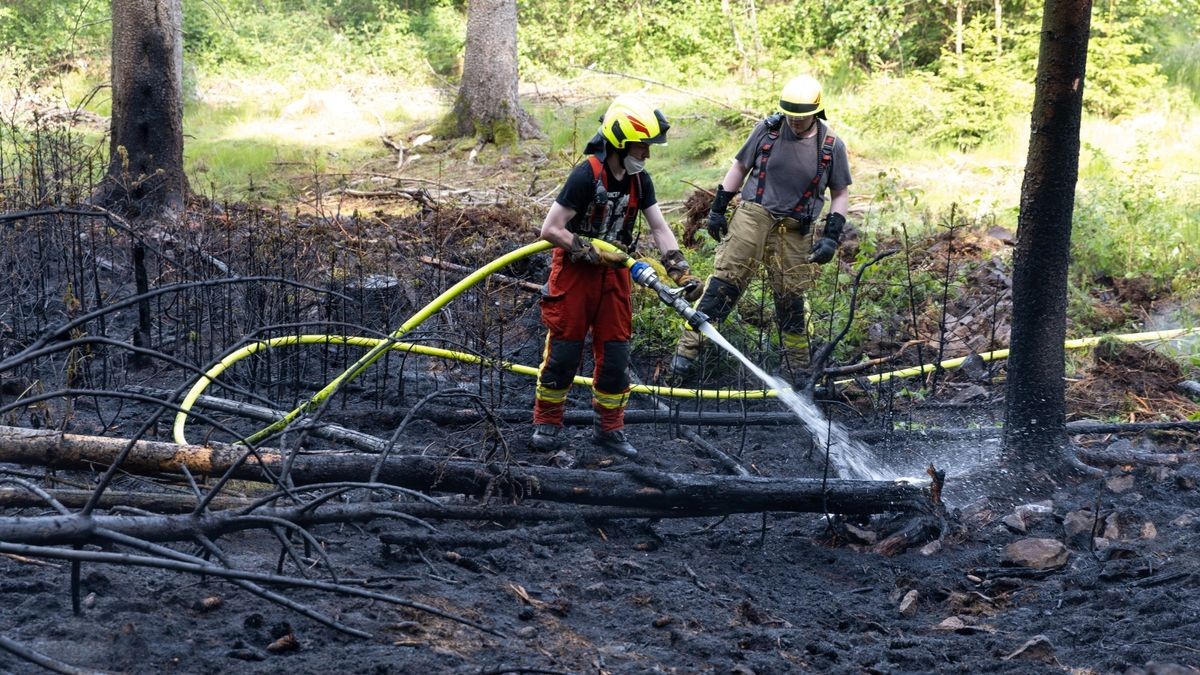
(643, 273)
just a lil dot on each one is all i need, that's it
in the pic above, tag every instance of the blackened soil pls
(748, 593)
(754, 593)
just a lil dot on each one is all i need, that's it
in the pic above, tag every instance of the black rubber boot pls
(546, 437)
(613, 441)
(682, 371)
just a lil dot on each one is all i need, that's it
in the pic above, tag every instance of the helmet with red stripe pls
(631, 120)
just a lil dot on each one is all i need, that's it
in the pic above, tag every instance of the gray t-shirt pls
(790, 169)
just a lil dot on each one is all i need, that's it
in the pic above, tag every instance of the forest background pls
(932, 97)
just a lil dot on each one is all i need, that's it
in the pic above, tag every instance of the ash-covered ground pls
(746, 593)
(1089, 575)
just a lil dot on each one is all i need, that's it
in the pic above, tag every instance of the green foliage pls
(863, 32)
(55, 30)
(647, 39)
(1126, 224)
(703, 140)
(892, 115)
(313, 41)
(1181, 65)
(1119, 80)
(981, 89)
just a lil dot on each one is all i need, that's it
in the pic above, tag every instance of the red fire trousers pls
(581, 297)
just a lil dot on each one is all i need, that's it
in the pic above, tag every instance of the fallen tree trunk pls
(1116, 458)
(159, 502)
(634, 487)
(164, 503)
(76, 529)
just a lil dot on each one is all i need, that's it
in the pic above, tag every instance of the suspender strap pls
(635, 186)
(764, 153)
(823, 161)
(599, 207)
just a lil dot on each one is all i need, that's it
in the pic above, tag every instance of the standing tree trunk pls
(727, 12)
(1035, 406)
(487, 106)
(145, 174)
(145, 179)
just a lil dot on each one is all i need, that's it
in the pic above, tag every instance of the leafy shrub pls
(1126, 224)
(52, 37)
(1181, 65)
(646, 39)
(863, 32)
(895, 114)
(1119, 79)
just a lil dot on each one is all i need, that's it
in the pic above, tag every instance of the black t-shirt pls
(579, 193)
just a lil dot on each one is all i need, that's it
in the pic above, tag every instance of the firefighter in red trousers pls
(589, 289)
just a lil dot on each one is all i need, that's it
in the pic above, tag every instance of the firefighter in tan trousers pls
(791, 159)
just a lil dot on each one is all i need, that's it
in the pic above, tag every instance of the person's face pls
(801, 124)
(639, 151)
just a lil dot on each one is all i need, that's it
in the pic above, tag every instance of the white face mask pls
(633, 165)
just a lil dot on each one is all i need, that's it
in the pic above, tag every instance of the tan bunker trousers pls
(782, 245)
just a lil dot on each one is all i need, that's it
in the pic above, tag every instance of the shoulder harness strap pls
(599, 207)
(823, 160)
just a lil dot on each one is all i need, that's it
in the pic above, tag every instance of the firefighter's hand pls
(692, 287)
(823, 251)
(583, 251)
(718, 225)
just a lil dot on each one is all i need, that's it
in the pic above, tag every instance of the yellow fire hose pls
(377, 347)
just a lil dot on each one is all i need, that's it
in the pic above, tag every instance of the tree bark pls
(1035, 405)
(634, 487)
(487, 106)
(145, 173)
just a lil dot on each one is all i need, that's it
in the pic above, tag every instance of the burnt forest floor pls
(779, 592)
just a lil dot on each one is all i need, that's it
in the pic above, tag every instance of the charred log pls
(697, 495)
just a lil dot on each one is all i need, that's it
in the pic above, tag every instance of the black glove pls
(824, 249)
(718, 224)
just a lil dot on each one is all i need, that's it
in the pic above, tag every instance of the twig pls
(333, 432)
(822, 355)
(42, 660)
(30, 561)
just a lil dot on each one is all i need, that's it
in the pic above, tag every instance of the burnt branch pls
(822, 356)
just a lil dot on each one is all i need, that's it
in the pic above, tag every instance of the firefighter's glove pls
(583, 251)
(692, 287)
(681, 273)
(612, 258)
(826, 247)
(718, 222)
